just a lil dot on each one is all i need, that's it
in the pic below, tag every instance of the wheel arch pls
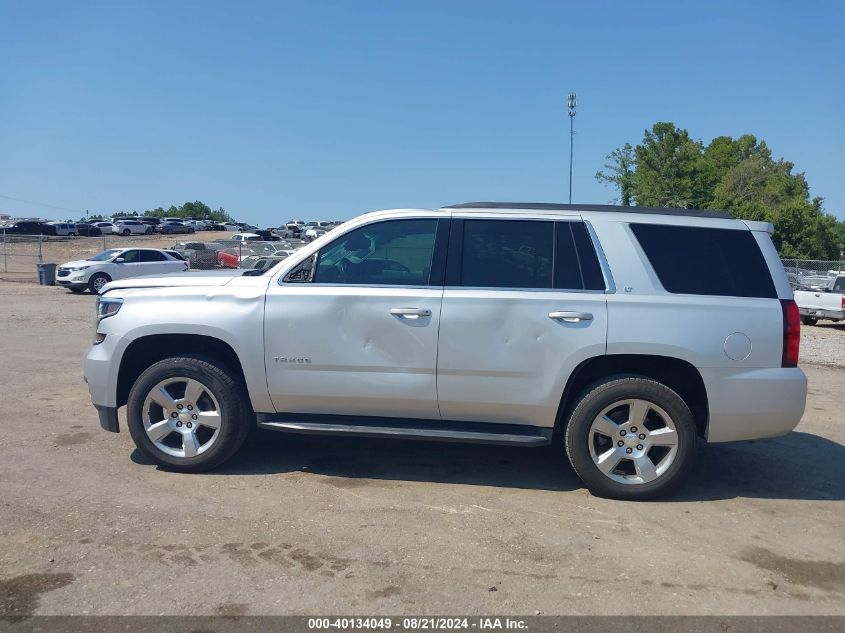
(679, 375)
(148, 350)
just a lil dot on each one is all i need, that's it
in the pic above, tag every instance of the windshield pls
(101, 257)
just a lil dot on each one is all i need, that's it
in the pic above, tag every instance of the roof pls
(605, 208)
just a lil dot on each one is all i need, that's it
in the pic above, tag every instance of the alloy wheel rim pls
(633, 441)
(99, 282)
(182, 417)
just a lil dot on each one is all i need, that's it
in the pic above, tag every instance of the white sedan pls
(117, 263)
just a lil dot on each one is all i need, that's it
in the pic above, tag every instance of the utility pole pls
(570, 104)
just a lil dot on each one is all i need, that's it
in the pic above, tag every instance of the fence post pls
(40, 240)
(5, 256)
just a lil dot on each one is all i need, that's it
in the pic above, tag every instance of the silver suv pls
(620, 335)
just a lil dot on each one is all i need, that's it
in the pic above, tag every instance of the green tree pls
(739, 175)
(620, 167)
(667, 168)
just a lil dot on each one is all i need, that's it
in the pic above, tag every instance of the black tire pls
(607, 393)
(235, 411)
(807, 320)
(126, 232)
(93, 283)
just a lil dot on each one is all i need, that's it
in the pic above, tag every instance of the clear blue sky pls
(323, 110)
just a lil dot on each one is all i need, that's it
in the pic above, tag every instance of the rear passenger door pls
(157, 263)
(524, 304)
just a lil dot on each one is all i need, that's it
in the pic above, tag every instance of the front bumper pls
(747, 404)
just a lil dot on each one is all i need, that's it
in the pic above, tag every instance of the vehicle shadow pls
(271, 452)
(795, 466)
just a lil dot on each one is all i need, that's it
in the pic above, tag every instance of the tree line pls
(738, 175)
(196, 209)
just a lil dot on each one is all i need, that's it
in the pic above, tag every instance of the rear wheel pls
(631, 437)
(188, 414)
(97, 281)
(807, 320)
(126, 232)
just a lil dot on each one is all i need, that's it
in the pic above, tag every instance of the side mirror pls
(119, 260)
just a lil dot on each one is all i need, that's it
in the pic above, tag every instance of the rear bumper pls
(833, 315)
(748, 404)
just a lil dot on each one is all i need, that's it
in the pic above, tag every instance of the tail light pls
(843, 302)
(791, 333)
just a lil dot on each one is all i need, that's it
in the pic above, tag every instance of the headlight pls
(107, 307)
(80, 268)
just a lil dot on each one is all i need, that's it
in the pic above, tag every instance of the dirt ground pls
(297, 525)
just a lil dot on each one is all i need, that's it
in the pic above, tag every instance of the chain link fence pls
(811, 274)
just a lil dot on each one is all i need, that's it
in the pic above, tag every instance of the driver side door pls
(358, 337)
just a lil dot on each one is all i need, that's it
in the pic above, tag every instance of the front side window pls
(507, 254)
(393, 252)
(131, 257)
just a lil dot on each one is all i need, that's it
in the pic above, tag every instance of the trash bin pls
(47, 274)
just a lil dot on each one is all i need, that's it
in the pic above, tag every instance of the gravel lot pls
(823, 343)
(305, 525)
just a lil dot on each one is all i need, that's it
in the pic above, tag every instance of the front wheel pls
(126, 232)
(188, 414)
(97, 281)
(807, 320)
(632, 438)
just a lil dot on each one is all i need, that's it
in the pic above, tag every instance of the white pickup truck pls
(826, 303)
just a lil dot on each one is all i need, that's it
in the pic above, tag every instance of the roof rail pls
(606, 208)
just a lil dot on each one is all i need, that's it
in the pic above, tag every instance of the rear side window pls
(153, 256)
(706, 261)
(507, 254)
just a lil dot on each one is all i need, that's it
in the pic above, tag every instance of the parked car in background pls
(247, 237)
(26, 227)
(197, 225)
(61, 229)
(116, 263)
(172, 228)
(231, 257)
(201, 255)
(105, 227)
(131, 227)
(824, 303)
(86, 229)
(153, 222)
(214, 226)
(290, 230)
(433, 324)
(267, 236)
(229, 226)
(259, 262)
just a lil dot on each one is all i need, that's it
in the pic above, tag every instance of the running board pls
(391, 428)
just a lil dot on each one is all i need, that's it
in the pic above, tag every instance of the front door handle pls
(571, 317)
(410, 313)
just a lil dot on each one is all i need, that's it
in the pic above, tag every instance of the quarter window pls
(706, 261)
(393, 252)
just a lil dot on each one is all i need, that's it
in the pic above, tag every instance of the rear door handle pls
(410, 313)
(571, 317)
